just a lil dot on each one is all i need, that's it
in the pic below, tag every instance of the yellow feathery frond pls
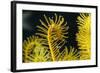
(44, 24)
(34, 51)
(84, 35)
(72, 54)
(55, 32)
(42, 29)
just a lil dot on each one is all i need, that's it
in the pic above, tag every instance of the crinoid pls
(54, 31)
(34, 51)
(84, 35)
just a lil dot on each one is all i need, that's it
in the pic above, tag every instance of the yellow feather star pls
(54, 32)
(34, 51)
(84, 35)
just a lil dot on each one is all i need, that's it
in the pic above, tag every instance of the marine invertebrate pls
(34, 51)
(54, 32)
(84, 35)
